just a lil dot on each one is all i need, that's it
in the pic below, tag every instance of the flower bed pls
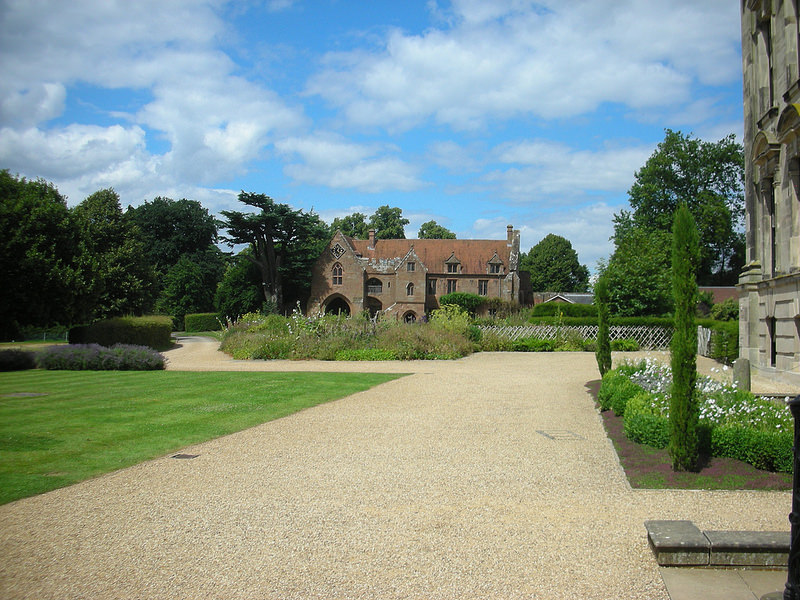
(732, 423)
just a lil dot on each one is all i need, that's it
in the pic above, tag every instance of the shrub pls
(469, 303)
(727, 310)
(202, 322)
(615, 391)
(555, 309)
(366, 354)
(725, 341)
(139, 331)
(532, 344)
(94, 357)
(17, 360)
(643, 424)
(625, 345)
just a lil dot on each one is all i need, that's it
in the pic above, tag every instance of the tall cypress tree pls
(603, 352)
(683, 411)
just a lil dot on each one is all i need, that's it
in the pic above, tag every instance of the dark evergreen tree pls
(683, 411)
(603, 352)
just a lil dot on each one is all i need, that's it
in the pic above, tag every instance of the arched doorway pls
(337, 306)
(410, 317)
(374, 306)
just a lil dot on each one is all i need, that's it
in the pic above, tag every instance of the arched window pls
(410, 289)
(336, 274)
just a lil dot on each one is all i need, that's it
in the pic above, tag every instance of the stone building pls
(769, 286)
(405, 278)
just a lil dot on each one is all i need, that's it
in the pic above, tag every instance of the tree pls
(554, 266)
(116, 276)
(354, 226)
(190, 284)
(285, 243)
(638, 274)
(706, 176)
(239, 292)
(431, 230)
(38, 243)
(603, 352)
(170, 229)
(388, 223)
(683, 410)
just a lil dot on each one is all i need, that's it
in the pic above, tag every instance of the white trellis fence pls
(649, 337)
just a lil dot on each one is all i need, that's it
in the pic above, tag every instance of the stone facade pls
(769, 286)
(405, 278)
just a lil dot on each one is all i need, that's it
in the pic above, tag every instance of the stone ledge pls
(681, 543)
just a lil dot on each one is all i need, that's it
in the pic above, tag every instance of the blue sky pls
(475, 114)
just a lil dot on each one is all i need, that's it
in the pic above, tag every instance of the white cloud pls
(544, 170)
(333, 161)
(501, 60)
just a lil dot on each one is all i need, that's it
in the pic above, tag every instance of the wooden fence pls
(648, 337)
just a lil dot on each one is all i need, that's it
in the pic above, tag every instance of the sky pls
(476, 114)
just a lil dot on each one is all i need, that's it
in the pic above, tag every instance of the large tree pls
(708, 178)
(191, 283)
(354, 226)
(38, 243)
(239, 292)
(638, 274)
(285, 244)
(116, 277)
(554, 267)
(431, 230)
(388, 223)
(173, 228)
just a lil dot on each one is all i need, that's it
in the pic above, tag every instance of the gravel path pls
(487, 477)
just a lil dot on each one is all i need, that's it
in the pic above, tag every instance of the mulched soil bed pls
(648, 467)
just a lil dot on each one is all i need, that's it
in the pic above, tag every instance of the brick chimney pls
(371, 243)
(510, 233)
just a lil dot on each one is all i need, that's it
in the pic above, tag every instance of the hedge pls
(202, 322)
(138, 331)
(94, 357)
(554, 309)
(643, 424)
(17, 360)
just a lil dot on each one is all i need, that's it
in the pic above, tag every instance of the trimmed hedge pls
(533, 345)
(468, 302)
(17, 360)
(644, 424)
(201, 322)
(137, 331)
(554, 309)
(94, 357)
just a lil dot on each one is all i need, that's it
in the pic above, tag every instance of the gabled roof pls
(474, 255)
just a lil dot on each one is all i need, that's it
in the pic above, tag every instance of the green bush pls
(644, 425)
(625, 345)
(17, 360)
(94, 357)
(138, 331)
(532, 344)
(727, 310)
(725, 341)
(767, 450)
(366, 354)
(202, 322)
(615, 391)
(469, 303)
(555, 309)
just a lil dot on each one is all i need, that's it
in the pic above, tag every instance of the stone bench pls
(681, 543)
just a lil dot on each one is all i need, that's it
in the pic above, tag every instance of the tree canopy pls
(38, 244)
(285, 243)
(554, 267)
(708, 178)
(431, 230)
(388, 223)
(354, 226)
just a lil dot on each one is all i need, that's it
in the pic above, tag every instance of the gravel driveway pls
(486, 477)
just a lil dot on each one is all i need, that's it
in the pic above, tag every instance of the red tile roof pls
(473, 254)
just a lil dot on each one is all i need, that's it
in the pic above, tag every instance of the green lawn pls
(85, 423)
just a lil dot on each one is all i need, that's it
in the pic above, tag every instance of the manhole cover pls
(559, 434)
(185, 455)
